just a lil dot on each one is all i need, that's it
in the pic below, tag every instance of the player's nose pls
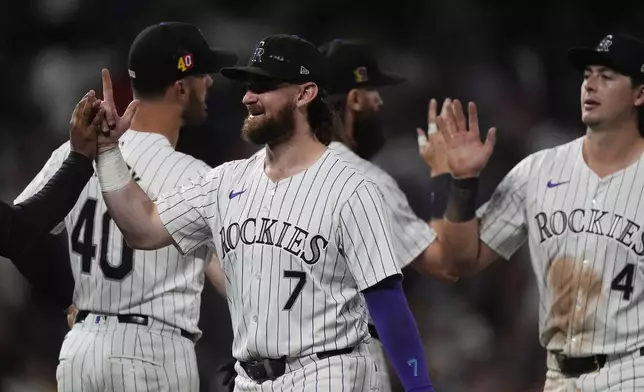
(249, 98)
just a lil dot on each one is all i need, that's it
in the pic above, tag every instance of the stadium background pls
(480, 334)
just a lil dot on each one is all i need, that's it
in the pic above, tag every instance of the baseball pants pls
(102, 354)
(620, 373)
(378, 354)
(353, 372)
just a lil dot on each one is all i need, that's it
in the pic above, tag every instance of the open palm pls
(467, 155)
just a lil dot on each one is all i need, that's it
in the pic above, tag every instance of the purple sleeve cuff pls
(399, 334)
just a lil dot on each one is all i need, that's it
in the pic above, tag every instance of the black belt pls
(373, 332)
(270, 369)
(134, 319)
(577, 366)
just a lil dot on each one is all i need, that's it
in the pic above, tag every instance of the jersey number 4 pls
(624, 281)
(87, 249)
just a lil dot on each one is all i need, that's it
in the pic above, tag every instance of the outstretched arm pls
(464, 253)
(129, 206)
(30, 220)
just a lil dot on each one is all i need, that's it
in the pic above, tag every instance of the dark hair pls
(321, 117)
(339, 105)
(637, 82)
(149, 90)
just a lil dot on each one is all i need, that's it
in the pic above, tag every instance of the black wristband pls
(438, 196)
(461, 204)
(80, 163)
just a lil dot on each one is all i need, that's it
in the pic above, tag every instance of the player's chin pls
(590, 119)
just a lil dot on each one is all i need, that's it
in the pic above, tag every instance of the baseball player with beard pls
(579, 207)
(303, 237)
(355, 77)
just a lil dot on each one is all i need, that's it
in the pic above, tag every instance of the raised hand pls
(466, 154)
(113, 126)
(431, 145)
(85, 124)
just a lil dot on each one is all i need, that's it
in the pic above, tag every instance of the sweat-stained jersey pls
(586, 239)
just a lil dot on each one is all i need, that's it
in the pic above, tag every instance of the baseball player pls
(578, 206)
(302, 236)
(138, 311)
(355, 77)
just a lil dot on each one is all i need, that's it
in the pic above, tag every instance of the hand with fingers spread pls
(431, 145)
(85, 124)
(113, 126)
(466, 154)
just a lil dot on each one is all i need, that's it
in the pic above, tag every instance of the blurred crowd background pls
(508, 57)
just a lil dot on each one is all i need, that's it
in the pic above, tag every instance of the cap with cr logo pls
(620, 52)
(286, 58)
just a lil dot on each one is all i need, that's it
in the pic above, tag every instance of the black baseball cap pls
(351, 64)
(620, 52)
(169, 51)
(282, 57)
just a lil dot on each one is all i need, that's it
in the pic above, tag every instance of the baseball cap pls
(351, 64)
(283, 57)
(169, 51)
(620, 52)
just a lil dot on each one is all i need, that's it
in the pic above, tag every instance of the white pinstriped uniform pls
(110, 278)
(296, 254)
(586, 239)
(411, 235)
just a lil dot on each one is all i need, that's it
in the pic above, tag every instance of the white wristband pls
(112, 170)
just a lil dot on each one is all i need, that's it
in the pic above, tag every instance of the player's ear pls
(639, 96)
(308, 92)
(354, 100)
(180, 90)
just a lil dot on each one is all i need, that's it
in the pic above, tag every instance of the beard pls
(267, 129)
(194, 113)
(368, 135)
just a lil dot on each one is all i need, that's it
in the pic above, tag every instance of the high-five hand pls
(431, 145)
(466, 154)
(113, 126)
(85, 124)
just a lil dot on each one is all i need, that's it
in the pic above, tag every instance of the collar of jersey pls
(150, 136)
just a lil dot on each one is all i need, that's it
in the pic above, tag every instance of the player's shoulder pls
(561, 152)
(349, 174)
(553, 156)
(369, 169)
(233, 171)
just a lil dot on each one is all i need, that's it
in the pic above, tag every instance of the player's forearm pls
(131, 209)
(431, 263)
(460, 228)
(399, 333)
(216, 276)
(35, 217)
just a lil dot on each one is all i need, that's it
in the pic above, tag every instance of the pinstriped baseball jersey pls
(296, 253)
(585, 235)
(111, 277)
(411, 235)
